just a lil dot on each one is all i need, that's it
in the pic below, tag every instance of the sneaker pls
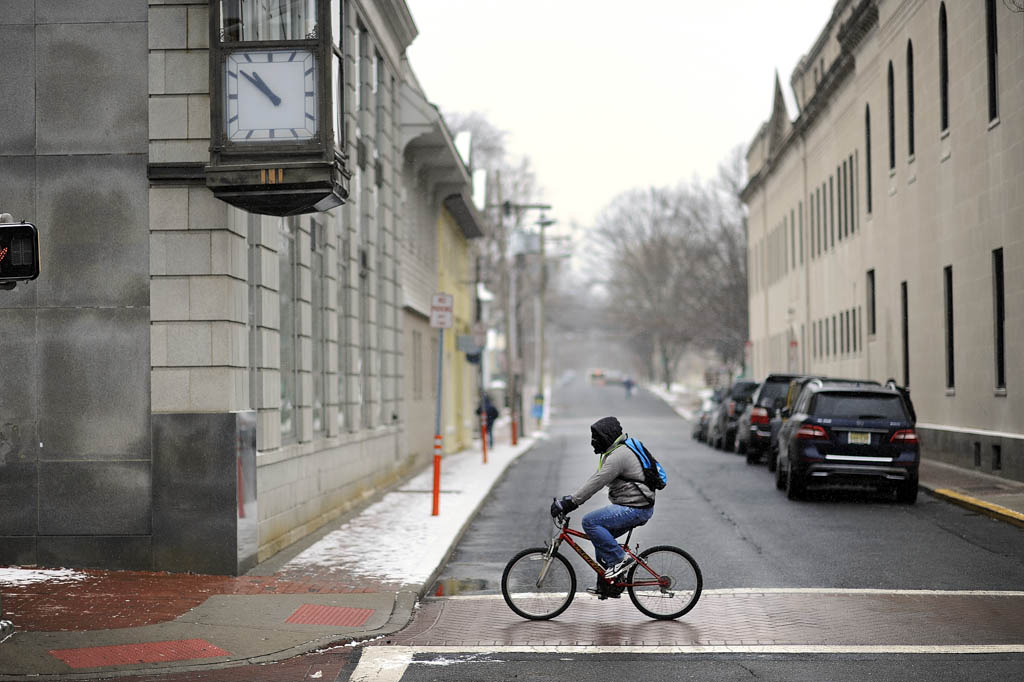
(619, 568)
(605, 591)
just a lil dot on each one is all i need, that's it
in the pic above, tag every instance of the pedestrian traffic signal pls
(19, 252)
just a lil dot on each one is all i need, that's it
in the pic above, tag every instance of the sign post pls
(442, 313)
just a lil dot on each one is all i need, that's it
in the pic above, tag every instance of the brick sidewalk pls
(106, 600)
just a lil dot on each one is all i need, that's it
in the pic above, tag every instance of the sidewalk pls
(359, 580)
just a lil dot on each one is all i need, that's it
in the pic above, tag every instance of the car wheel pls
(794, 486)
(741, 446)
(780, 478)
(753, 456)
(906, 492)
(771, 461)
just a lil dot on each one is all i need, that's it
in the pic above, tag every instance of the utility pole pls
(539, 360)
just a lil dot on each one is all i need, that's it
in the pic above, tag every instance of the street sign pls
(442, 311)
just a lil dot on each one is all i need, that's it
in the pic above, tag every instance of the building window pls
(417, 365)
(287, 296)
(892, 120)
(844, 204)
(851, 194)
(832, 211)
(318, 321)
(835, 336)
(948, 290)
(870, 288)
(999, 315)
(800, 212)
(992, 43)
(853, 321)
(344, 328)
(905, 332)
(820, 222)
(792, 238)
(867, 154)
(910, 98)
(943, 70)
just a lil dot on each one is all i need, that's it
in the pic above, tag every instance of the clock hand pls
(261, 86)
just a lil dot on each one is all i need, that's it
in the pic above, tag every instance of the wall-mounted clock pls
(270, 95)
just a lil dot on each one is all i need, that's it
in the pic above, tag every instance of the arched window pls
(910, 98)
(943, 70)
(992, 44)
(867, 152)
(892, 120)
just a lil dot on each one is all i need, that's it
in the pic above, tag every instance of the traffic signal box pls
(19, 252)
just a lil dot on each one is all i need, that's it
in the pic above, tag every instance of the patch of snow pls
(32, 576)
(397, 539)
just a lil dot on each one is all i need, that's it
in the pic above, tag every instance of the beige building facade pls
(886, 221)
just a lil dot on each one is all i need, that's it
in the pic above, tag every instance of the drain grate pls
(127, 654)
(345, 616)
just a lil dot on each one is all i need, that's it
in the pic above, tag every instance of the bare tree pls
(673, 264)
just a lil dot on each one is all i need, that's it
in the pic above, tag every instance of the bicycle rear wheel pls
(536, 588)
(665, 583)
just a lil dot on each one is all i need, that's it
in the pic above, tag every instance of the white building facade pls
(886, 222)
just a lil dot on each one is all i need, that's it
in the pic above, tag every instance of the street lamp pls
(512, 359)
(539, 399)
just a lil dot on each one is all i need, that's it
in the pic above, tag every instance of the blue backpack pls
(655, 477)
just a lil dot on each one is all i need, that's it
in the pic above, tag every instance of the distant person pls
(628, 383)
(490, 413)
(632, 502)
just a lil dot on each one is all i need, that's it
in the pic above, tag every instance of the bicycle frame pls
(566, 534)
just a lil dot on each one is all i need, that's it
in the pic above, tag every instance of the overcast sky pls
(608, 96)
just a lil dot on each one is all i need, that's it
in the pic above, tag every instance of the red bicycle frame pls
(567, 534)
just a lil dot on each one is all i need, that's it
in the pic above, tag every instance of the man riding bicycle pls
(632, 502)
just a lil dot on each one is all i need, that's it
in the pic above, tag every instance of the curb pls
(989, 509)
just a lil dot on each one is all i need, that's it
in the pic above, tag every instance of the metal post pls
(437, 423)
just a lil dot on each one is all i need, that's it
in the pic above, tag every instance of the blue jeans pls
(603, 525)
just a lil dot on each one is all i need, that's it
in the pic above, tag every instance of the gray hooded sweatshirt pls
(620, 470)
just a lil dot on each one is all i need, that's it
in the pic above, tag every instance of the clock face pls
(270, 95)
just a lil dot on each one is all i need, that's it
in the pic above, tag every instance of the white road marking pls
(389, 663)
(806, 590)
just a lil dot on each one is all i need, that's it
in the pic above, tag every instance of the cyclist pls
(632, 502)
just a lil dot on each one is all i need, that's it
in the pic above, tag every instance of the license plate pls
(859, 438)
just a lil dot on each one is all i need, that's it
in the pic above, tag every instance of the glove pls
(563, 506)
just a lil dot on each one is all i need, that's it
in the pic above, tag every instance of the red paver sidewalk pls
(106, 600)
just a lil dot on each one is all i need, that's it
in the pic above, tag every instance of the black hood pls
(604, 432)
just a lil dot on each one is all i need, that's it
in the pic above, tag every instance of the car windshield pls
(863, 406)
(743, 391)
(773, 392)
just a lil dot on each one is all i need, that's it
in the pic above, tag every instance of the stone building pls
(886, 221)
(188, 385)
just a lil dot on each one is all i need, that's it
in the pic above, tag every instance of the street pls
(846, 585)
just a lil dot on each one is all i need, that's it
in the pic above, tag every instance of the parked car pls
(708, 407)
(753, 434)
(792, 393)
(723, 422)
(840, 432)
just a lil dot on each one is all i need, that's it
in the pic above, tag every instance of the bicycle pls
(538, 583)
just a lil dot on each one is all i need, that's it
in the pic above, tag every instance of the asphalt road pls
(742, 531)
(729, 516)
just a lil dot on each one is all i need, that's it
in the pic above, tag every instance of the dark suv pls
(722, 429)
(840, 432)
(754, 427)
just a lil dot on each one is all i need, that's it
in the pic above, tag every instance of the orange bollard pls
(514, 439)
(437, 474)
(483, 439)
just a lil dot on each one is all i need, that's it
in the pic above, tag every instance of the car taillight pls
(732, 408)
(811, 432)
(759, 415)
(904, 436)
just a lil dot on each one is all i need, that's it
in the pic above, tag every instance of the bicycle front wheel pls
(665, 583)
(536, 587)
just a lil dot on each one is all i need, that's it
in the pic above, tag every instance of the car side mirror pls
(786, 412)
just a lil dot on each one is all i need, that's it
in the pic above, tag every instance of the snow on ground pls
(30, 576)
(397, 539)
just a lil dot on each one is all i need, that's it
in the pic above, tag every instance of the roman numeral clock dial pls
(270, 95)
